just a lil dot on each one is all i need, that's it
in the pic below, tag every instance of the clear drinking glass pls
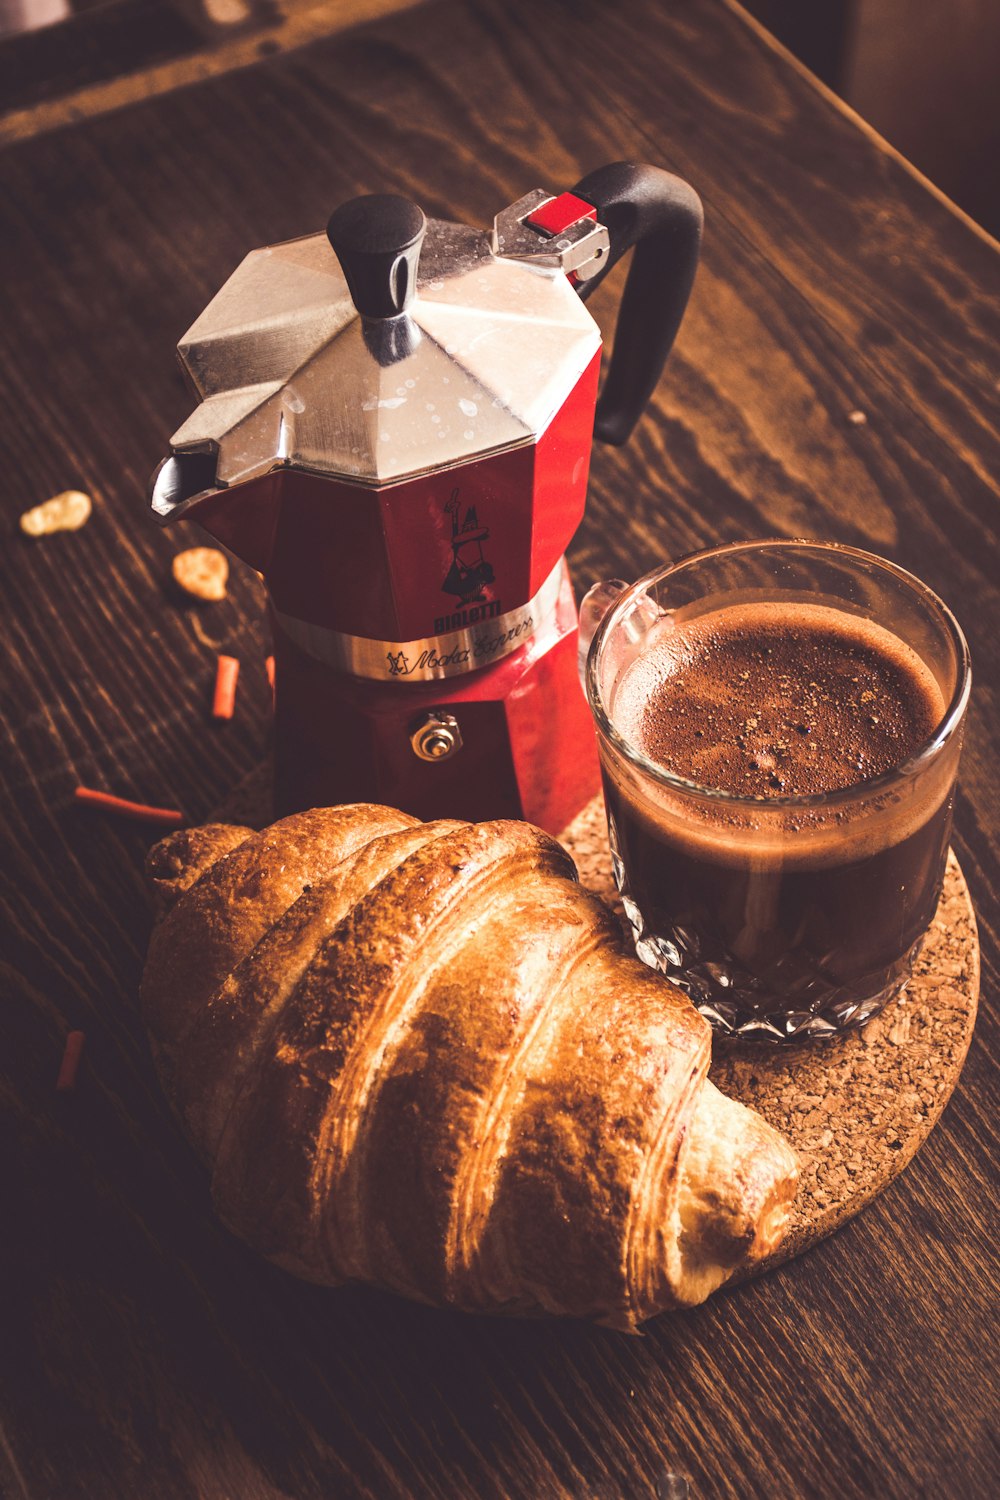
(784, 917)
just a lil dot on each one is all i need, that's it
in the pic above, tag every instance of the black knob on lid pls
(377, 240)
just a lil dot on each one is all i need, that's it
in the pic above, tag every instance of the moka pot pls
(394, 429)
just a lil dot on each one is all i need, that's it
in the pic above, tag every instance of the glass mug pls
(783, 917)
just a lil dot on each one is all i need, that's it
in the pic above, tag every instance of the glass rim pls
(926, 751)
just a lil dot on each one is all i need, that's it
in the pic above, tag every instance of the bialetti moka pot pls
(394, 429)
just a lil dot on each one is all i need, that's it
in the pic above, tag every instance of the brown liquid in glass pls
(768, 702)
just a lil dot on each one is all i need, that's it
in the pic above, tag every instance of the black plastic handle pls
(662, 217)
(377, 240)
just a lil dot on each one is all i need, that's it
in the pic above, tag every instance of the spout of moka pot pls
(179, 481)
(243, 517)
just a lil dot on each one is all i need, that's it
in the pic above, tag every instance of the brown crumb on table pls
(67, 511)
(70, 1064)
(226, 676)
(857, 418)
(202, 572)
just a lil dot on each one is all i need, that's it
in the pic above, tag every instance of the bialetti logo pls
(469, 572)
(463, 618)
(466, 640)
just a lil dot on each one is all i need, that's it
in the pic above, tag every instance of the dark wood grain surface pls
(146, 1355)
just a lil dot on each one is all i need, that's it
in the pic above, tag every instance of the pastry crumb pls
(202, 572)
(67, 511)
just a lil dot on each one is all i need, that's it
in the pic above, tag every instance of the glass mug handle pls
(593, 607)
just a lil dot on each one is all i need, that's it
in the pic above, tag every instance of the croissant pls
(417, 1055)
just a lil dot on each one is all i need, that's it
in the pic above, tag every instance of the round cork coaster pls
(856, 1109)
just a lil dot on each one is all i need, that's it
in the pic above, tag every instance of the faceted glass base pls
(736, 1003)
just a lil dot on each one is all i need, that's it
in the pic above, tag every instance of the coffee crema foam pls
(773, 700)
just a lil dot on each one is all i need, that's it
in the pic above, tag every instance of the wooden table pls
(836, 376)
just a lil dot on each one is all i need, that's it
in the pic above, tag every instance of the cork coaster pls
(856, 1109)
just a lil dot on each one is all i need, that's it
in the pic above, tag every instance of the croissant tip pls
(775, 1212)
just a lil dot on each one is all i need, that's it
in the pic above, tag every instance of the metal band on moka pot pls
(487, 638)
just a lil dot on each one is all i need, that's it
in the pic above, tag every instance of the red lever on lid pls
(559, 213)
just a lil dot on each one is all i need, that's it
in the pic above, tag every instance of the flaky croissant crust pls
(417, 1055)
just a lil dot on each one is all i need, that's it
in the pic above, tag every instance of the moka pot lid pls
(455, 344)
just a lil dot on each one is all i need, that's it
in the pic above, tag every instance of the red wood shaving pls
(226, 673)
(138, 810)
(66, 1081)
